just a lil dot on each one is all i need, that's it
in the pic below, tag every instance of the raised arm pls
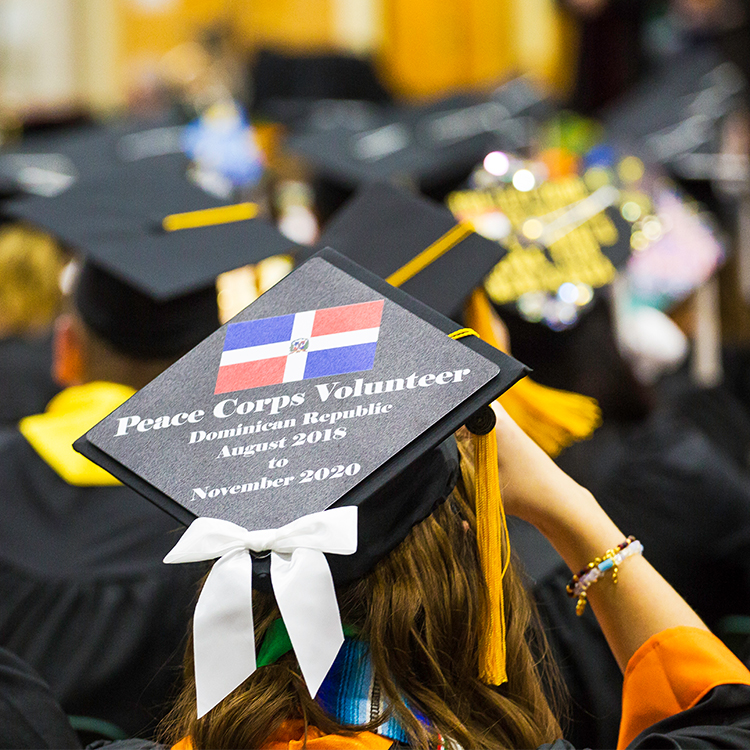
(642, 603)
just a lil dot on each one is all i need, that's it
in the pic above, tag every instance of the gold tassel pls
(552, 418)
(492, 540)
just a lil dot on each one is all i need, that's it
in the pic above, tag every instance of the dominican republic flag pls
(311, 344)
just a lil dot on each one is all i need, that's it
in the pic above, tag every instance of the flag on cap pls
(308, 344)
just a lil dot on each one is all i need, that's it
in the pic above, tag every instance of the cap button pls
(482, 422)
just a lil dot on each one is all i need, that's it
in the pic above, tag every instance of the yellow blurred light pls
(597, 177)
(532, 229)
(638, 241)
(630, 169)
(585, 295)
(652, 228)
(630, 211)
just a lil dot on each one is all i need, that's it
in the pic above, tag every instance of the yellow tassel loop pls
(494, 556)
(552, 418)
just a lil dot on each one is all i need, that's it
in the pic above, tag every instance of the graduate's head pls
(423, 611)
(30, 267)
(355, 511)
(114, 331)
(152, 244)
(585, 358)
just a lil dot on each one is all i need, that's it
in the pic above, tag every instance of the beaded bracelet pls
(610, 560)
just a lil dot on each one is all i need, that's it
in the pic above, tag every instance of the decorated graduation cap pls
(415, 244)
(565, 237)
(302, 441)
(153, 244)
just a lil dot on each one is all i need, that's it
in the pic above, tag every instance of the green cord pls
(276, 642)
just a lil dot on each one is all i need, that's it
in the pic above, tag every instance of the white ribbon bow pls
(223, 631)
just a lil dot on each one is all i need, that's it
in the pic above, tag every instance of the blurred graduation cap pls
(288, 88)
(414, 243)
(432, 146)
(48, 162)
(153, 244)
(674, 116)
(319, 420)
(565, 238)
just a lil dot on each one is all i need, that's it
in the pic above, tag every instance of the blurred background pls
(600, 145)
(76, 57)
(580, 85)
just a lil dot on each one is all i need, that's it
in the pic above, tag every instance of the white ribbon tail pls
(223, 632)
(304, 591)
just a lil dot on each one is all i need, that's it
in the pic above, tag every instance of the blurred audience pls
(30, 298)
(653, 471)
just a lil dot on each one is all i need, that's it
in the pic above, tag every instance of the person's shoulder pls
(12, 445)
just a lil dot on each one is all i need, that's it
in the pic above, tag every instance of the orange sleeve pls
(671, 672)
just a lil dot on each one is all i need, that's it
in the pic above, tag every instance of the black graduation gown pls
(84, 596)
(689, 504)
(26, 385)
(30, 717)
(720, 720)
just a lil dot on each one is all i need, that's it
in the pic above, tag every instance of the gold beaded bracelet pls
(610, 560)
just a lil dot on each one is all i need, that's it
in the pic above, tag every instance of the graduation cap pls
(565, 238)
(675, 115)
(430, 145)
(316, 427)
(49, 162)
(415, 244)
(154, 244)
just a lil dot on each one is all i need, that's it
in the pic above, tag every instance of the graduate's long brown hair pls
(422, 610)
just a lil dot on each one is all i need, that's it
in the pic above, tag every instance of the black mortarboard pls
(430, 145)
(48, 162)
(415, 244)
(676, 113)
(330, 368)
(316, 425)
(384, 228)
(154, 244)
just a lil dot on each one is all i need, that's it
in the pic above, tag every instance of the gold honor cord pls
(208, 217)
(429, 255)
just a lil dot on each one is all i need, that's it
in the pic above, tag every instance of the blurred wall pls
(58, 54)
